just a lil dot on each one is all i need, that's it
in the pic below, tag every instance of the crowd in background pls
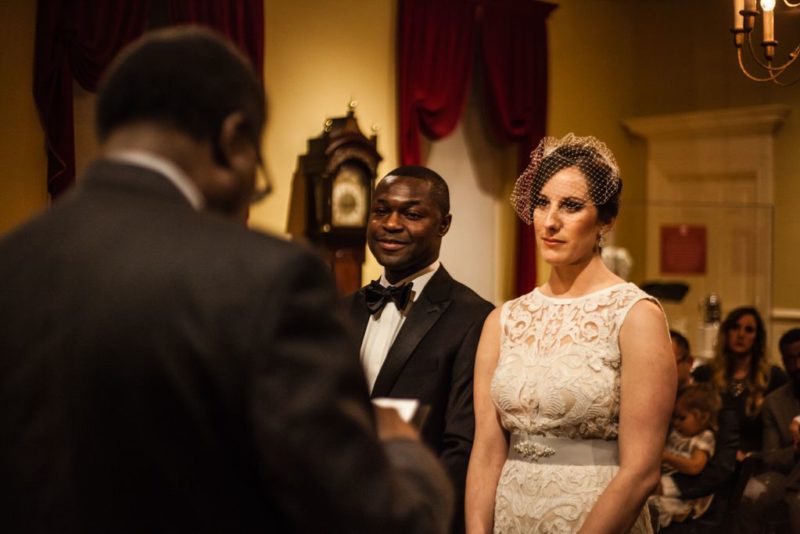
(732, 461)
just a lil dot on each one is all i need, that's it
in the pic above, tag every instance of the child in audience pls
(689, 446)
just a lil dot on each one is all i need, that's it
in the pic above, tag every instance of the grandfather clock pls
(332, 193)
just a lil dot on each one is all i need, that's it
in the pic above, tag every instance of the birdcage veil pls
(588, 154)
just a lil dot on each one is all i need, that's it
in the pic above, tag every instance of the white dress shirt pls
(383, 327)
(165, 167)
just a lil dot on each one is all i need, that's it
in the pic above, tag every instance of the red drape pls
(434, 59)
(241, 21)
(79, 38)
(435, 55)
(514, 45)
(75, 39)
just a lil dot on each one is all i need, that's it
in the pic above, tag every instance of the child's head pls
(696, 410)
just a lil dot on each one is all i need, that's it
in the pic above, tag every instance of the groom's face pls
(406, 226)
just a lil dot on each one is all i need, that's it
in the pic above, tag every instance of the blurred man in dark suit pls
(775, 491)
(419, 327)
(164, 369)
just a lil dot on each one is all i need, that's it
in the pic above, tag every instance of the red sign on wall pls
(683, 249)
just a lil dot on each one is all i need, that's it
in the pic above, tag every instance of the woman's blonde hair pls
(755, 385)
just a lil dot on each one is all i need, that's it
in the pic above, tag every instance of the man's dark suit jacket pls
(433, 359)
(780, 407)
(165, 370)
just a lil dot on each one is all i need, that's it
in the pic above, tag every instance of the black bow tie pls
(377, 296)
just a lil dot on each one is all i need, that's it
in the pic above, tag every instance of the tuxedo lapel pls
(426, 310)
(359, 315)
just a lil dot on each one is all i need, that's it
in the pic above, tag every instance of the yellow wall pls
(23, 191)
(611, 60)
(592, 78)
(688, 63)
(318, 55)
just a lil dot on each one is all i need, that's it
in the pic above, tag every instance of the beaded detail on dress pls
(558, 375)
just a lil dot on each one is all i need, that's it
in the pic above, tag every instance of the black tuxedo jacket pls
(165, 370)
(433, 359)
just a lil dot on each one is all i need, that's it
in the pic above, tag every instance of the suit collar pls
(164, 167)
(132, 179)
(439, 287)
(419, 279)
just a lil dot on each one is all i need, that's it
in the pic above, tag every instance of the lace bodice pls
(558, 372)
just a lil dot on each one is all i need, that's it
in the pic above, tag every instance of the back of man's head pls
(188, 79)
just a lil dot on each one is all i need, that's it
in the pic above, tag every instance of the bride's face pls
(565, 219)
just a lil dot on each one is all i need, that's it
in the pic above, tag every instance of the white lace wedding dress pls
(558, 377)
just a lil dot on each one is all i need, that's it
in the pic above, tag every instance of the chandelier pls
(745, 14)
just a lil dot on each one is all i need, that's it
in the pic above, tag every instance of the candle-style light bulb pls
(768, 8)
(738, 23)
(749, 15)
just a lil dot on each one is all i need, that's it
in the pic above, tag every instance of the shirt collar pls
(418, 280)
(165, 167)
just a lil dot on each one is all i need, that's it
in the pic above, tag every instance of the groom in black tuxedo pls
(419, 327)
(165, 369)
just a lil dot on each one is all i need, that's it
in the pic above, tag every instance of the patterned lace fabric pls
(558, 376)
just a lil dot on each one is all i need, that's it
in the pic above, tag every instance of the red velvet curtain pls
(435, 55)
(514, 45)
(75, 39)
(434, 59)
(241, 21)
(79, 38)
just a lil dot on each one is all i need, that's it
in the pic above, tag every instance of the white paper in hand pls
(405, 407)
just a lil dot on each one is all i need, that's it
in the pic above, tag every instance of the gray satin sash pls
(562, 451)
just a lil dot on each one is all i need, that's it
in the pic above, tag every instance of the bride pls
(575, 381)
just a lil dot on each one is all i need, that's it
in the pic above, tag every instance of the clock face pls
(349, 196)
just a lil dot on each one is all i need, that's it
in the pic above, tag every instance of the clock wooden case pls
(336, 177)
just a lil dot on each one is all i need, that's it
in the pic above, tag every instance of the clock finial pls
(351, 106)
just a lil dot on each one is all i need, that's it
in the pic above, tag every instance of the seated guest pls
(741, 369)
(793, 487)
(683, 358)
(689, 446)
(717, 477)
(165, 369)
(766, 493)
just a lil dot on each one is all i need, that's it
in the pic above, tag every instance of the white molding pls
(786, 314)
(723, 122)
